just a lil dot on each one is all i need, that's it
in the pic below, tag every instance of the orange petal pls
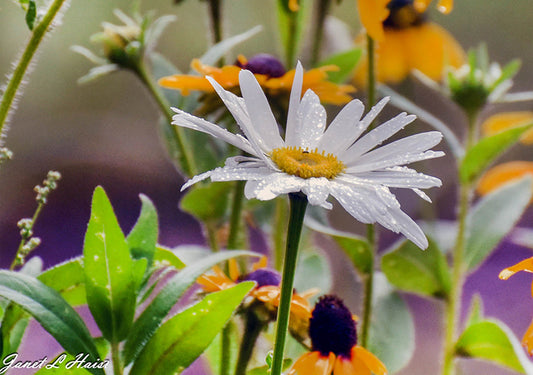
(345, 366)
(527, 340)
(392, 61)
(508, 120)
(525, 265)
(502, 174)
(372, 13)
(261, 263)
(233, 269)
(293, 5)
(313, 364)
(370, 360)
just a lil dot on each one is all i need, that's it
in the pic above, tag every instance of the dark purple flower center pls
(332, 328)
(263, 277)
(264, 63)
(403, 15)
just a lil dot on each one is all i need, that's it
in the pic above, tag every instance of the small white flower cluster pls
(49, 184)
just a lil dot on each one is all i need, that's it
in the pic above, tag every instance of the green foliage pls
(312, 263)
(392, 331)
(421, 272)
(31, 14)
(53, 313)
(346, 61)
(492, 218)
(207, 203)
(68, 279)
(14, 323)
(150, 319)
(291, 28)
(142, 239)
(481, 155)
(109, 271)
(213, 352)
(166, 257)
(182, 338)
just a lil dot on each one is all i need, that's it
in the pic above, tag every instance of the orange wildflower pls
(503, 173)
(507, 120)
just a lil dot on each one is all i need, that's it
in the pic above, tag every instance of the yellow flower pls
(334, 344)
(527, 266)
(409, 42)
(293, 5)
(502, 174)
(270, 74)
(372, 14)
(507, 120)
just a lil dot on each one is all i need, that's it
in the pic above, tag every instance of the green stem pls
(322, 12)
(252, 329)
(22, 66)
(292, 33)
(298, 204)
(25, 239)
(225, 350)
(212, 236)
(115, 356)
(453, 306)
(187, 160)
(236, 214)
(368, 289)
(371, 79)
(215, 15)
(280, 223)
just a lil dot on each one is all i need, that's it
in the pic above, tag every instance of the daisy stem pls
(21, 66)
(252, 329)
(368, 288)
(371, 78)
(322, 12)
(280, 223)
(185, 159)
(298, 205)
(215, 13)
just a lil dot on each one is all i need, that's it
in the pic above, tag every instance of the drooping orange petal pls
(371, 361)
(372, 13)
(502, 174)
(525, 265)
(508, 120)
(261, 263)
(392, 62)
(527, 340)
(313, 364)
(345, 366)
(233, 269)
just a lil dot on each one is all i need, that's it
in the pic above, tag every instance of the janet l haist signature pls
(82, 360)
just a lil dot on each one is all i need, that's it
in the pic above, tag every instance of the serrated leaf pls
(346, 61)
(181, 339)
(421, 272)
(207, 203)
(142, 239)
(165, 257)
(482, 154)
(355, 247)
(489, 341)
(392, 330)
(492, 218)
(68, 279)
(221, 48)
(53, 313)
(109, 277)
(151, 318)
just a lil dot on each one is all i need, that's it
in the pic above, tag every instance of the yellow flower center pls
(306, 164)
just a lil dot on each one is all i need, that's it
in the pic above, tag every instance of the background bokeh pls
(105, 133)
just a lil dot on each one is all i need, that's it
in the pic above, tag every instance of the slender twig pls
(252, 328)
(298, 205)
(321, 14)
(21, 68)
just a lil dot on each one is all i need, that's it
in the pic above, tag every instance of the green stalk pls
(186, 153)
(22, 66)
(225, 350)
(215, 16)
(370, 228)
(24, 240)
(236, 214)
(453, 306)
(115, 356)
(322, 12)
(252, 328)
(280, 223)
(298, 204)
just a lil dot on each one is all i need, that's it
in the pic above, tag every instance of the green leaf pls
(184, 337)
(508, 72)
(291, 27)
(488, 340)
(142, 239)
(109, 272)
(221, 48)
(355, 247)
(421, 272)
(475, 314)
(392, 331)
(53, 313)
(312, 263)
(213, 352)
(68, 279)
(482, 154)
(207, 203)
(166, 258)
(492, 218)
(14, 325)
(265, 370)
(150, 319)
(31, 14)
(346, 61)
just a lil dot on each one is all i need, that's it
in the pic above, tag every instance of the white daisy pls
(319, 161)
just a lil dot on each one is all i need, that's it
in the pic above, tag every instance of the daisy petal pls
(259, 110)
(310, 122)
(186, 120)
(294, 102)
(344, 129)
(276, 184)
(376, 137)
(374, 112)
(317, 191)
(395, 161)
(399, 177)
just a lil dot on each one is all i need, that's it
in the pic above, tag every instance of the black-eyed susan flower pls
(333, 333)
(339, 161)
(502, 174)
(270, 74)
(527, 266)
(407, 41)
(507, 120)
